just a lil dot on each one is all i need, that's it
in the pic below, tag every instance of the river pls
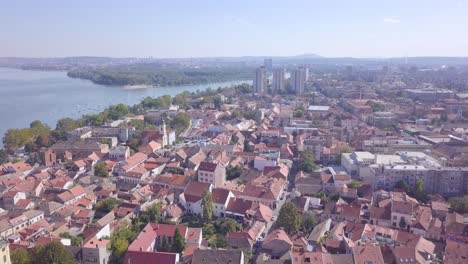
(50, 95)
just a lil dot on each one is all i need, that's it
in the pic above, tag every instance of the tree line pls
(39, 134)
(155, 75)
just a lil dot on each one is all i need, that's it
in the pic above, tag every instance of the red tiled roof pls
(151, 231)
(238, 206)
(278, 234)
(456, 252)
(133, 257)
(44, 240)
(219, 195)
(367, 254)
(77, 190)
(170, 178)
(195, 190)
(207, 166)
(97, 243)
(193, 235)
(23, 203)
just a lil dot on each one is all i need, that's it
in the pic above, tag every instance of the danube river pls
(49, 96)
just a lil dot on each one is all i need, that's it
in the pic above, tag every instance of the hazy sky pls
(196, 28)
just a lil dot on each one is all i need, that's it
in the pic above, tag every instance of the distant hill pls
(309, 56)
(73, 63)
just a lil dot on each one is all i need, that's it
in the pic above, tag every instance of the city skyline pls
(362, 29)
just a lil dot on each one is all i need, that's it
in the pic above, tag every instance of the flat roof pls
(319, 108)
(388, 159)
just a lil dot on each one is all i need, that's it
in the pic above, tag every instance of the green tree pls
(120, 241)
(208, 230)
(307, 164)
(243, 88)
(376, 107)
(75, 240)
(106, 205)
(178, 244)
(180, 122)
(233, 172)
(67, 124)
(354, 184)
(402, 184)
(53, 253)
(134, 143)
(419, 192)
(39, 128)
(160, 102)
(228, 225)
(207, 206)
(154, 213)
(116, 112)
(181, 99)
(220, 241)
(44, 140)
(308, 223)
(17, 138)
(100, 170)
(459, 204)
(3, 156)
(346, 149)
(289, 218)
(164, 245)
(96, 120)
(248, 147)
(402, 223)
(119, 247)
(298, 113)
(20, 256)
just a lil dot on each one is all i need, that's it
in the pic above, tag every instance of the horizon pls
(205, 28)
(316, 56)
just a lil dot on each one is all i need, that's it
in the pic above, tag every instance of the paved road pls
(193, 124)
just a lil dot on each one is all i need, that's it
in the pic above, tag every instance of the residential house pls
(214, 173)
(70, 196)
(95, 251)
(367, 254)
(220, 199)
(232, 256)
(277, 244)
(5, 252)
(192, 196)
(264, 190)
(119, 153)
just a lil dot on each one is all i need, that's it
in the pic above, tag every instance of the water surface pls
(48, 96)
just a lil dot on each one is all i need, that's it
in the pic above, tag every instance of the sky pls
(214, 28)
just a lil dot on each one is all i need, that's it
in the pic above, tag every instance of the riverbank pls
(51, 95)
(138, 87)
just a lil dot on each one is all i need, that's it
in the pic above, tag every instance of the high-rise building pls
(298, 80)
(260, 81)
(268, 63)
(278, 80)
(306, 73)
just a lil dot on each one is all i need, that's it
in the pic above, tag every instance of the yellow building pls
(4, 253)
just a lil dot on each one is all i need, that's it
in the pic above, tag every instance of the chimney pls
(141, 249)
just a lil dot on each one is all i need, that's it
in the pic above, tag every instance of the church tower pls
(163, 132)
